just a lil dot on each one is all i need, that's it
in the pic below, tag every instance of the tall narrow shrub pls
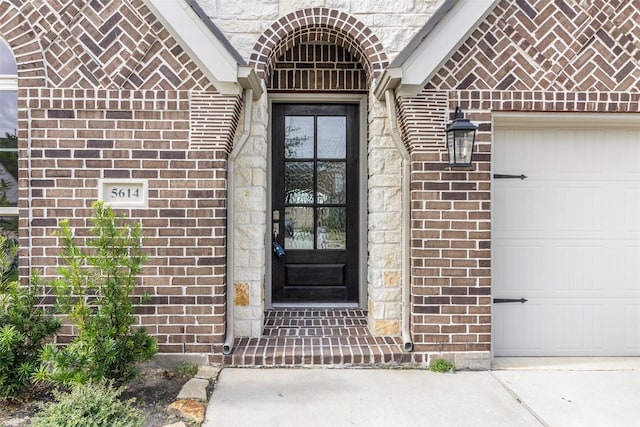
(94, 289)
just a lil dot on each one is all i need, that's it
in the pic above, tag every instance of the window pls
(8, 143)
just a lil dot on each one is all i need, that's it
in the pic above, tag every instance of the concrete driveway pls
(513, 395)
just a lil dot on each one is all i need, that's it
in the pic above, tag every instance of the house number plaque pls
(124, 193)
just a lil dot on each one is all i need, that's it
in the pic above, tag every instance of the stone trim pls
(319, 24)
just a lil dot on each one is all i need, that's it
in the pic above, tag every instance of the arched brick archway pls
(319, 25)
(16, 30)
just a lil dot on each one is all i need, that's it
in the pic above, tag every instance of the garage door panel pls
(521, 328)
(627, 219)
(576, 269)
(567, 327)
(568, 151)
(555, 268)
(567, 239)
(519, 268)
(548, 267)
(534, 207)
(580, 326)
(626, 261)
(632, 331)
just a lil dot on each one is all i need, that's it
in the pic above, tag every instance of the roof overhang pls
(432, 46)
(206, 46)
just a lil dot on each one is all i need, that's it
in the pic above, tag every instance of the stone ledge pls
(191, 402)
(194, 389)
(190, 410)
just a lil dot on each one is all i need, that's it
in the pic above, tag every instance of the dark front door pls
(315, 203)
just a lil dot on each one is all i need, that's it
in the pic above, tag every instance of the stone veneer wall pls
(563, 56)
(393, 22)
(251, 226)
(105, 92)
(296, 37)
(384, 244)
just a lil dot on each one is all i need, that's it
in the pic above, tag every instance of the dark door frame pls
(361, 101)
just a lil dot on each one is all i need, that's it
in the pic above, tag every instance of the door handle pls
(278, 250)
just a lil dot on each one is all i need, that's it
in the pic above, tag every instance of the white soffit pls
(203, 47)
(436, 42)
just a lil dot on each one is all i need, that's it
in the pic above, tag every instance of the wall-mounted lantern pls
(461, 134)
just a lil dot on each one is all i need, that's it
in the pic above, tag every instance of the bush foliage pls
(442, 365)
(89, 405)
(24, 326)
(94, 289)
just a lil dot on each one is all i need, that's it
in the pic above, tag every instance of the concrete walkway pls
(517, 396)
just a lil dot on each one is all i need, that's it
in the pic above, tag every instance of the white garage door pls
(567, 238)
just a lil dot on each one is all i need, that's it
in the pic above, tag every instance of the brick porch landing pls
(317, 337)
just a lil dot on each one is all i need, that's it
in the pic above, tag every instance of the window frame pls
(9, 83)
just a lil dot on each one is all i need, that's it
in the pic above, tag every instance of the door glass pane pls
(331, 228)
(332, 137)
(298, 137)
(298, 228)
(298, 182)
(331, 182)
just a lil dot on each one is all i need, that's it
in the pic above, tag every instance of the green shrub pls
(442, 365)
(89, 405)
(25, 326)
(94, 289)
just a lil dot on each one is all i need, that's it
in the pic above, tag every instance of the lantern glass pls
(460, 147)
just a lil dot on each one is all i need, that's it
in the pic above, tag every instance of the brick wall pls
(317, 66)
(106, 92)
(548, 56)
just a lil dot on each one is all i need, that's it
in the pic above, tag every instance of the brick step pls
(315, 313)
(310, 351)
(308, 337)
(315, 322)
(296, 331)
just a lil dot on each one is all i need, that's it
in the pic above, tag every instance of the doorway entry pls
(315, 203)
